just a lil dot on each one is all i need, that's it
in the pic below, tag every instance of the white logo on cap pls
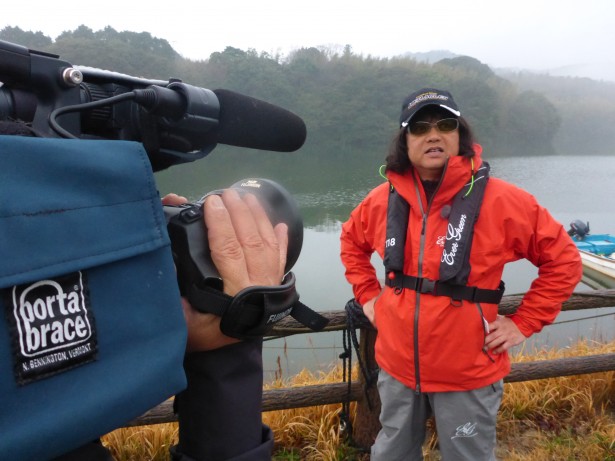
(422, 97)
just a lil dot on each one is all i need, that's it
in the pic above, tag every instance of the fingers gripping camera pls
(254, 310)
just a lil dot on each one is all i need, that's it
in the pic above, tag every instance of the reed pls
(143, 443)
(566, 418)
(310, 433)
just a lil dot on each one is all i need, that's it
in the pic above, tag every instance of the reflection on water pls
(570, 187)
(330, 199)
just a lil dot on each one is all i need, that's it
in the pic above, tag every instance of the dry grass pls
(310, 433)
(143, 443)
(567, 418)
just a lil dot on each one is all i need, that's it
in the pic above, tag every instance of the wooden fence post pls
(367, 423)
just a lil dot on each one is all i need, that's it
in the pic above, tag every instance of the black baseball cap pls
(423, 98)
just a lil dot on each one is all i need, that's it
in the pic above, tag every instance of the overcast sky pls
(558, 36)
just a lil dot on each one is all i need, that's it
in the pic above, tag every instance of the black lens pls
(447, 124)
(419, 128)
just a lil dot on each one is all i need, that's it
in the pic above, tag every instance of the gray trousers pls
(465, 422)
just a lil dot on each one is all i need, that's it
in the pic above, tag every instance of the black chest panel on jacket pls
(455, 261)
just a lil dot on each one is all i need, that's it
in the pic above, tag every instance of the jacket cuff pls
(526, 328)
(367, 296)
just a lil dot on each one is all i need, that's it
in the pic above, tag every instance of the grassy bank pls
(568, 418)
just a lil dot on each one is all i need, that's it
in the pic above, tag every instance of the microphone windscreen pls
(446, 211)
(248, 122)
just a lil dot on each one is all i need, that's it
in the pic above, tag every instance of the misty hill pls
(430, 57)
(351, 103)
(604, 71)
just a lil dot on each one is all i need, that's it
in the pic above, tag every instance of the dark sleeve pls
(219, 413)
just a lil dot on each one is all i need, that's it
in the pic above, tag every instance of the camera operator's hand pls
(246, 249)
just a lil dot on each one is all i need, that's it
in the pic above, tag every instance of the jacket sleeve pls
(219, 413)
(557, 258)
(357, 240)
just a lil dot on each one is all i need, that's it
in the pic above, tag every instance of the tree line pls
(351, 103)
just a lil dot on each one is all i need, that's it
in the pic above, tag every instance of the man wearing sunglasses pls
(445, 230)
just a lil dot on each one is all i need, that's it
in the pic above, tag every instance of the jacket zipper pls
(417, 368)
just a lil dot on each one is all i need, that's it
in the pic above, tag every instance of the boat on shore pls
(597, 254)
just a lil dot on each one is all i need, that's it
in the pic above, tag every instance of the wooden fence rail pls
(508, 305)
(324, 394)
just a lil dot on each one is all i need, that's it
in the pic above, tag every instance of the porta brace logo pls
(53, 324)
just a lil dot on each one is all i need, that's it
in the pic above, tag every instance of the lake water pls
(571, 188)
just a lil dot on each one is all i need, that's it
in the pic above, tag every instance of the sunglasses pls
(446, 125)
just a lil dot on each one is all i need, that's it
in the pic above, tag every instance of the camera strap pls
(252, 312)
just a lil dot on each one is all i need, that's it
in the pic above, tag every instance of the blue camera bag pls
(92, 333)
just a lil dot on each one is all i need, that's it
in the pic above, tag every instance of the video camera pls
(176, 123)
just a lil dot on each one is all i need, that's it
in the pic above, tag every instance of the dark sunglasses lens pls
(419, 128)
(448, 124)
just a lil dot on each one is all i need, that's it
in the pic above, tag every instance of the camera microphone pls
(223, 117)
(190, 118)
(252, 123)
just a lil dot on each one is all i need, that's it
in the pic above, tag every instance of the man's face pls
(428, 152)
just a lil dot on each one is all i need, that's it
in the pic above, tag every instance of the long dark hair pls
(397, 160)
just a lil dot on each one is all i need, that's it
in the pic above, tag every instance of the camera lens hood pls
(188, 233)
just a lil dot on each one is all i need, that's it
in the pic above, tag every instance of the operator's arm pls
(220, 411)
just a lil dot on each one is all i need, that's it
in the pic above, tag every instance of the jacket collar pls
(457, 172)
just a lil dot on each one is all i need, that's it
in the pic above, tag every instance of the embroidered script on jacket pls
(453, 233)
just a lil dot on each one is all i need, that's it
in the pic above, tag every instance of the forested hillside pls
(351, 103)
